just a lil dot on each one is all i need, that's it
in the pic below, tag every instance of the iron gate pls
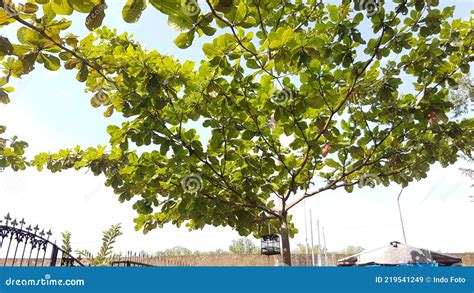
(28, 245)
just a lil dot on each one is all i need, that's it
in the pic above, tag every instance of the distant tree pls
(183, 251)
(175, 251)
(219, 251)
(301, 249)
(352, 249)
(461, 94)
(468, 171)
(243, 246)
(212, 252)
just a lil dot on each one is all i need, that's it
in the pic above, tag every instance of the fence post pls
(54, 256)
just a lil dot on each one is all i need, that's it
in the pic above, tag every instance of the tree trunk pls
(285, 240)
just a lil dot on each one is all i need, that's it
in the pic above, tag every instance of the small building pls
(397, 254)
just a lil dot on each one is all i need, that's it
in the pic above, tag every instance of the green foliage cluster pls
(183, 251)
(297, 99)
(244, 246)
(106, 251)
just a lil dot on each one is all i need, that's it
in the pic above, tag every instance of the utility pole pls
(319, 246)
(306, 233)
(311, 227)
(401, 217)
(325, 249)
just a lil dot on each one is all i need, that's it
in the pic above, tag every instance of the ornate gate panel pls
(27, 245)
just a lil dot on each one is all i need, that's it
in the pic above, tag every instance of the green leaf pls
(133, 10)
(29, 8)
(358, 18)
(61, 7)
(4, 99)
(224, 6)
(50, 62)
(210, 50)
(168, 7)
(83, 73)
(333, 12)
(184, 40)
(96, 16)
(286, 36)
(85, 6)
(6, 47)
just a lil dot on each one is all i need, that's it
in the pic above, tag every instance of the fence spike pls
(7, 218)
(22, 223)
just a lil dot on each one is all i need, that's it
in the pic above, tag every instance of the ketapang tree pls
(293, 99)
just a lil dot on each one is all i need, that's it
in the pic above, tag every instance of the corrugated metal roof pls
(396, 254)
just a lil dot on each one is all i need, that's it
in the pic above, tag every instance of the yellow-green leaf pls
(133, 10)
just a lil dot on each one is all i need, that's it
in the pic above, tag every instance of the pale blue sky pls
(51, 111)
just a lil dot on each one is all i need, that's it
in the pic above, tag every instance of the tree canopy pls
(243, 246)
(298, 99)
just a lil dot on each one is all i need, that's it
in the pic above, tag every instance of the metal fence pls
(27, 245)
(23, 244)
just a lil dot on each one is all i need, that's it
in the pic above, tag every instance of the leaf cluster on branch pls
(296, 98)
